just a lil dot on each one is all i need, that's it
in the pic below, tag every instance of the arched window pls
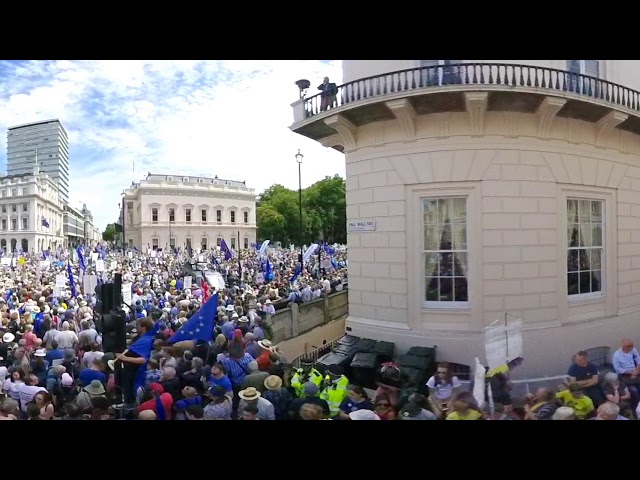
(25, 245)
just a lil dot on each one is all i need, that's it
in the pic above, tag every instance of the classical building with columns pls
(168, 210)
(483, 189)
(25, 201)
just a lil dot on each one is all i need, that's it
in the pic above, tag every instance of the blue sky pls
(128, 117)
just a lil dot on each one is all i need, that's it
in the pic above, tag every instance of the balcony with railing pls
(442, 88)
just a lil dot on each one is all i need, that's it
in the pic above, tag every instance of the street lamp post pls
(299, 158)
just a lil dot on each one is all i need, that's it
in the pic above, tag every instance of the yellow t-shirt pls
(470, 415)
(581, 406)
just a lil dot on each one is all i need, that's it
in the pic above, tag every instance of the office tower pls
(45, 143)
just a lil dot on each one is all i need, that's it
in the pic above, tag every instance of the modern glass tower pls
(45, 143)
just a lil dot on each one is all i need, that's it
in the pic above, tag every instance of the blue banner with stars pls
(201, 324)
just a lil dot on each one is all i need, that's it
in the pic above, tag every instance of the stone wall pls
(298, 319)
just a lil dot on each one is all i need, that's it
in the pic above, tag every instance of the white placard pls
(126, 293)
(94, 256)
(61, 281)
(5, 261)
(503, 343)
(57, 292)
(89, 283)
(260, 278)
(100, 265)
(187, 282)
(113, 265)
(361, 226)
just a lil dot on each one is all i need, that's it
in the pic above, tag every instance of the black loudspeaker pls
(114, 332)
(117, 291)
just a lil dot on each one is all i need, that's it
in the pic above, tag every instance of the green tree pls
(323, 213)
(110, 234)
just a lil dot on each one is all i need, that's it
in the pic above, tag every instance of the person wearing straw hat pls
(264, 360)
(279, 397)
(252, 397)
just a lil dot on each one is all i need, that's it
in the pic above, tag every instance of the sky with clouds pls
(127, 117)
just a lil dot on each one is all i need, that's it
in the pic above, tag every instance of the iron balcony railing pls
(316, 353)
(470, 74)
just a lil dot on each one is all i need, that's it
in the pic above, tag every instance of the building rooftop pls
(197, 179)
(42, 122)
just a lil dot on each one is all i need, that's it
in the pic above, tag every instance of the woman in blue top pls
(357, 400)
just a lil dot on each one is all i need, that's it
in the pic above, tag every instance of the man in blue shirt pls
(586, 375)
(626, 363)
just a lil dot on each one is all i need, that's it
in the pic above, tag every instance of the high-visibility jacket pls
(299, 379)
(335, 394)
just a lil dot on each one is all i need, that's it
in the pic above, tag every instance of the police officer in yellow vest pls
(306, 373)
(335, 388)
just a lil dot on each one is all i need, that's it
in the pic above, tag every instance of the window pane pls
(595, 263)
(585, 282)
(585, 261)
(446, 264)
(458, 210)
(431, 237)
(573, 235)
(446, 289)
(443, 211)
(596, 212)
(596, 281)
(585, 235)
(572, 211)
(431, 266)
(572, 261)
(432, 289)
(445, 237)
(596, 235)
(459, 237)
(460, 264)
(430, 212)
(572, 284)
(584, 211)
(461, 293)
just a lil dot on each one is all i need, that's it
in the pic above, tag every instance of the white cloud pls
(226, 118)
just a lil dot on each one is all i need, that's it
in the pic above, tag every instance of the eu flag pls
(72, 284)
(225, 249)
(201, 324)
(143, 347)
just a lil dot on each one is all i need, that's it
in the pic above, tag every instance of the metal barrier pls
(316, 353)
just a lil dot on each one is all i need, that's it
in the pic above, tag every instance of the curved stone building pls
(477, 189)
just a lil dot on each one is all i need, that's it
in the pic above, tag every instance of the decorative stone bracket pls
(406, 115)
(476, 103)
(607, 124)
(546, 113)
(345, 129)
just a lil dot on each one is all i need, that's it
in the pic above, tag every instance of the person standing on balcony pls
(328, 94)
(306, 373)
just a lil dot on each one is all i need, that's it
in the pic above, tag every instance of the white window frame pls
(218, 241)
(219, 215)
(421, 315)
(232, 216)
(246, 243)
(245, 216)
(442, 304)
(188, 215)
(154, 213)
(203, 215)
(232, 243)
(172, 213)
(204, 244)
(602, 293)
(609, 291)
(155, 243)
(24, 223)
